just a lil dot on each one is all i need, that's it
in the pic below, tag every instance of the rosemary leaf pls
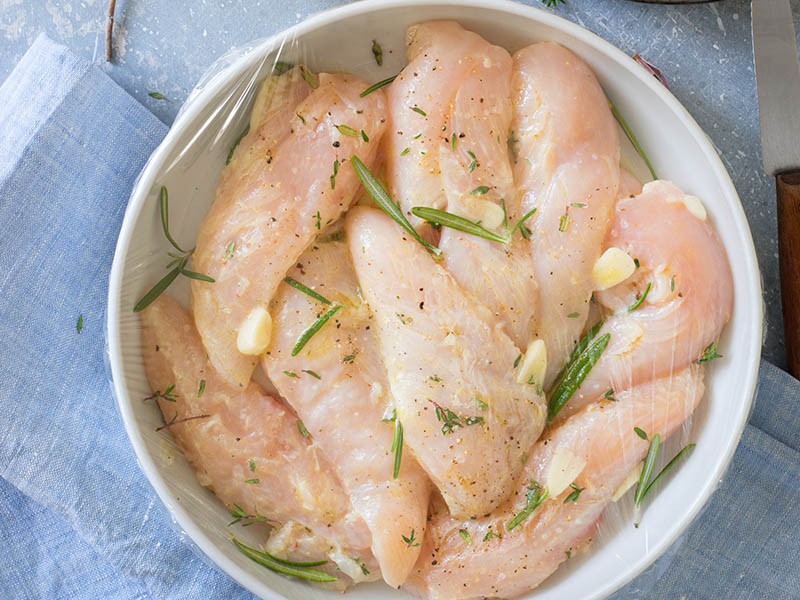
(452, 221)
(641, 298)
(305, 289)
(282, 566)
(315, 327)
(376, 86)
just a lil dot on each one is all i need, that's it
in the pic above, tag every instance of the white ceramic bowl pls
(192, 155)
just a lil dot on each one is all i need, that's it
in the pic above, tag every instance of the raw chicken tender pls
(567, 148)
(248, 449)
(338, 386)
(596, 449)
(450, 365)
(689, 301)
(458, 159)
(274, 198)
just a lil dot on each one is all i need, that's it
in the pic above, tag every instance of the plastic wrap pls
(189, 163)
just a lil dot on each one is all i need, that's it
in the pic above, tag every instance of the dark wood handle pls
(788, 188)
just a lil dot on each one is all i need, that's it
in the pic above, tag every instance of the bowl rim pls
(198, 100)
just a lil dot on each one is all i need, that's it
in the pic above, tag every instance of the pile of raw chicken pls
(454, 343)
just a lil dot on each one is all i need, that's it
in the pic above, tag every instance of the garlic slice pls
(255, 332)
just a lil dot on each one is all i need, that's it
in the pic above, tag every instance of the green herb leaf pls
(376, 86)
(202, 388)
(640, 432)
(453, 141)
(283, 566)
(349, 358)
(290, 373)
(521, 225)
(473, 163)
(575, 375)
(382, 199)
(685, 450)
(411, 541)
(480, 190)
(536, 495)
(629, 133)
(563, 222)
(158, 288)
(397, 446)
(377, 52)
(281, 67)
(312, 373)
(302, 429)
(157, 95)
(709, 354)
(345, 130)
(490, 534)
(573, 496)
(229, 249)
(609, 395)
(235, 144)
(301, 117)
(309, 77)
(195, 275)
(364, 136)
(305, 289)
(315, 327)
(441, 217)
(79, 325)
(465, 535)
(252, 464)
(641, 298)
(481, 404)
(647, 469)
(417, 109)
(573, 315)
(252, 481)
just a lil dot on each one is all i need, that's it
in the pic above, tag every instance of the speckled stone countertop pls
(704, 51)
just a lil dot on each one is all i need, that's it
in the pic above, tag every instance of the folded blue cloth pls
(77, 517)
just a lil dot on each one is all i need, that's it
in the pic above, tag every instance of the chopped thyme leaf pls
(516, 360)
(411, 540)
(435, 378)
(378, 85)
(348, 358)
(169, 394)
(157, 95)
(453, 141)
(406, 151)
(362, 564)
(302, 429)
(416, 137)
(317, 220)
(251, 463)
(480, 190)
(451, 421)
(490, 534)
(569, 553)
(536, 495)
(573, 497)
(290, 373)
(465, 535)
(377, 52)
(563, 222)
(672, 285)
(364, 136)
(306, 290)
(640, 299)
(202, 388)
(573, 315)
(417, 109)
(312, 373)
(345, 130)
(609, 395)
(709, 354)
(512, 145)
(636, 262)
(309, 77)
(299, 116)
(79, 325)
(640, 432)
(473, 163)
(578, 204)
(229, 251)
(256, 480)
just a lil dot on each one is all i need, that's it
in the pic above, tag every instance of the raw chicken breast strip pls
(601, 449)
(462, 84)
(445, 352)
(338, 386)
(274, 198)
(690, 298)
(567, 167)
(290, 481)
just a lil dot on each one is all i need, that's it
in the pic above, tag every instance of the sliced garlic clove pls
(564, 469)
(613, 267)
(627, 483)
(489, 214)
(534, 364)
(255, 332)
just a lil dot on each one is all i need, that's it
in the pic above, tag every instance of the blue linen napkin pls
(77, 517)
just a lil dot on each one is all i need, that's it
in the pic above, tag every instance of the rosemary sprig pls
(184, 420)
(640, 299)
(451, 421)
(645, 484)
(573, 496)
(397, 446)
(295, 569)
(315, 327)
(441, 217)
(240, 514)
(376, 86)
(182, 260)
(384, 201)
(168, 394)
(575, 375)
(629, 133)
(582, 344)
(536, 495)
(305, 289)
